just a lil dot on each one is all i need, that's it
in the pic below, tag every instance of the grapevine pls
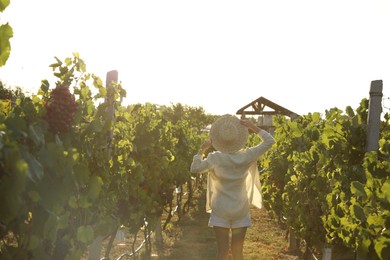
(321, 183)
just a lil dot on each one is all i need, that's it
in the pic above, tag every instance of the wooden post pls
(327, 252)
(373, 121)
(112, 76)
(159, 237)
(374, 114)
(293, 241)
(95, 249)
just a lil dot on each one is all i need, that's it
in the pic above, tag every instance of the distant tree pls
(11, 93)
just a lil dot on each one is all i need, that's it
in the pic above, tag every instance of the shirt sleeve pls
(265, 145)
(199, 165)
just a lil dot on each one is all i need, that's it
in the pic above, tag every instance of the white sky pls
(307, 56)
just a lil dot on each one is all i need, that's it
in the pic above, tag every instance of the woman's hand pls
(248, 124)
(206, 144)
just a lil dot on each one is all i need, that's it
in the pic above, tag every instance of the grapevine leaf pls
(5, 107)
(36, 134)
(55, 65)
(34, 196)
(349, 111)
(365, 244)
(4, 4)
(316, 117)
(338, 128)
(296, 131)
(68, 61)
(15, 185)
(81, 173)
(63, 220)
(16, 124)
(382, 247)
(45, 86)
(5, 46)
(50, 227)
(325, 139)
(358, 212)
(357, 189)
(356, 121)
(73, 202)
(85, 234)
(386, 190)
(84, 202)
(95, 186)
(165, 162)
(103, 92)
(35, 169)
(76, 55)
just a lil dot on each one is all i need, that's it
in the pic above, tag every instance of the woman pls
(233, 183)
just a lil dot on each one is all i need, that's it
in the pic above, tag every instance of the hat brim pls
(240, 134)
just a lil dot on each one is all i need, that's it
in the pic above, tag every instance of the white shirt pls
(233, 183)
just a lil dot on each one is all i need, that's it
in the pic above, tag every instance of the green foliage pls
(4, 4)
(6, 33)
(115, 166)
(321, 182)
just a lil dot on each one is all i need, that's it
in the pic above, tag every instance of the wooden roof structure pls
(258, 106)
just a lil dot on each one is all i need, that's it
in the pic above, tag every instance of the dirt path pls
(196, 240)
(265, 239)
(191, 238)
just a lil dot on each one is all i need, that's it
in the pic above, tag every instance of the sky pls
(305, 55)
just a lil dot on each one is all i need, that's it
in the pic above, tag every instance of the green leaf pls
(76, 55)
(36, 134)
(85, 234)
(358, 212)
(29, 108)
(73, 202)
(350, 112)
(357, 189)
(45, 86)
(365, 244)
(16, 124)
(382, 247)
(375, 220)
(356, 121)
(68, 61)
(5, 46)
(386, 190)
(296, 131)
(35, 169)
(81, 173)
(165, 162)
(63, 220)
(50, 227)
(316, 117)
(95, 186)
(103, 92)
(34, 196)
(84, 202)
(3, 5)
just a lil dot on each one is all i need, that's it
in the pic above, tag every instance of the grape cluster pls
(60, 110)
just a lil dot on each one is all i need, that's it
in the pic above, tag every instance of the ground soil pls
(264, 240)
(191, 239)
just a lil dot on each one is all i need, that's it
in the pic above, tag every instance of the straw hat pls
(228, 135)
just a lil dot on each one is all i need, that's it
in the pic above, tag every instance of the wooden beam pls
(259, 105)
